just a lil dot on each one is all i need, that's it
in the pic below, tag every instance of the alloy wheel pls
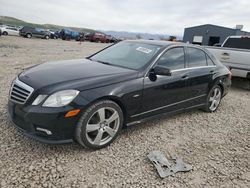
(102, 126)
(215, 99)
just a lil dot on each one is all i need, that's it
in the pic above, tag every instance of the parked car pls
(235, 54)
(111, 39)
(96, 37)
(29, 32)
(92, 99)
(8, 30)
(68, 34)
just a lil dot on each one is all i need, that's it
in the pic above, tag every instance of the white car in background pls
(235, 54)
(8, 30)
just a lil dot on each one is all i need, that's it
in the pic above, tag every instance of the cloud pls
(163, 17)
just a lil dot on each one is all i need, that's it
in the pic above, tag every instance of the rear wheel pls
(46, 37)
(99, 125)
(213, 99)
(5, 33)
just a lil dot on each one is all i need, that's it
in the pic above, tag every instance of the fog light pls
(48, 132)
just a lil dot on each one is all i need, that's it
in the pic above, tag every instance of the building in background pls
(210, 34)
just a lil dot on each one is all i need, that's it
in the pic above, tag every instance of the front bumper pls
(32, 120)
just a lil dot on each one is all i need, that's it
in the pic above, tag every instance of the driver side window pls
(173, 59)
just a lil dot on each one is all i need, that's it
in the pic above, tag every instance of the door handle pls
(225, 54)
(184, 77)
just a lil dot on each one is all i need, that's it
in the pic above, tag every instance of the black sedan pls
(90, 100)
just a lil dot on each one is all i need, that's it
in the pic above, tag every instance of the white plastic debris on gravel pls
(216, 144)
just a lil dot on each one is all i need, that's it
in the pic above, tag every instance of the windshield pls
(126, 54)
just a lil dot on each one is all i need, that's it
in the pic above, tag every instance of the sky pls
(146, 16)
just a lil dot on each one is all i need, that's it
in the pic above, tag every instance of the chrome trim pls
(176, 46)
(23, 95)
(48, 132)
(159, 108)
(191, 68)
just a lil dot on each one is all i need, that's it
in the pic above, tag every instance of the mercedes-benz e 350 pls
(90, 100)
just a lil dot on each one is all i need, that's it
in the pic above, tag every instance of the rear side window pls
(241, 43)
(196, 57)
(173, 59)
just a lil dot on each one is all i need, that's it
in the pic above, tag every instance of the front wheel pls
(213, 99)
(99, 125)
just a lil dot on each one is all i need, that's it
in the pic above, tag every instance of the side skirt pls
(165, 114)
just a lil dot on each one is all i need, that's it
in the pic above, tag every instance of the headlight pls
(61, 98)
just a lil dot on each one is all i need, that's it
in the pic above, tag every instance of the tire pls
(5, 33)
(28, 35)
(213, 99)
(46, 37)
(95, 130)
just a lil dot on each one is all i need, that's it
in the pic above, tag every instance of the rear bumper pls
(33, 122)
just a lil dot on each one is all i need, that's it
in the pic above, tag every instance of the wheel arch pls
(218, 81)
(222, 88)
(117, 100)
(28, 33)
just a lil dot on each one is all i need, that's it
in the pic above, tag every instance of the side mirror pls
(162, 70)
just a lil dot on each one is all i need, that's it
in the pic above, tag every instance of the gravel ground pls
(217, 145)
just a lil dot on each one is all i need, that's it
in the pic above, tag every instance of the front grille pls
(20, 92)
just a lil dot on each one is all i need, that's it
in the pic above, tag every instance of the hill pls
(6, 20)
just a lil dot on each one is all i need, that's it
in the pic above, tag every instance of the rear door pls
(201, 70)
(35, 32)
(38, 32)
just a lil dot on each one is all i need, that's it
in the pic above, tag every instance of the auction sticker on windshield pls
(144, 50)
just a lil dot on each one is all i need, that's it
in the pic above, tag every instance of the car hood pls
(81, 74)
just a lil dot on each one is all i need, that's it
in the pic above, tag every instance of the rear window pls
(241, 43)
